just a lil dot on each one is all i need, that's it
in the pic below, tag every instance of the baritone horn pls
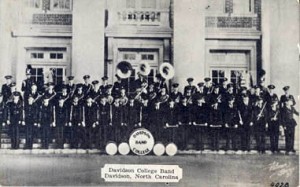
(124, 70)
(144, 68)
(167, 71)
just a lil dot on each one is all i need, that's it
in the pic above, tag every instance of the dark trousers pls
(289, 138)
(15, 136)
(274, 135)
(121, 134)
(260, 139)
(30, 132)
(245, 132)
(231, 136)
(171, 134)
(200, 132)
(46, 132)
(215, 138)
(183, 134)
(60, 137)
(88, 137)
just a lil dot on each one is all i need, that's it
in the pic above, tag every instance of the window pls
(56, 55)
(218, 76)
(243, 6)
(130, 3)
(129, 56)
(147, 57)
(61, 5)
(148, 3)
(37, 55)
(33, 3)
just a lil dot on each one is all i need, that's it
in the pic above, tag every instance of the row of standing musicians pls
(86, 114)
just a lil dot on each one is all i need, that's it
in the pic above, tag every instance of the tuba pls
(167, 71)
(144, 69)
(124, 70)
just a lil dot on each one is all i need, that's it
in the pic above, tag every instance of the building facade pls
(218, 39)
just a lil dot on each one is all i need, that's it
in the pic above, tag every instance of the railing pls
(232, 22)
(139, 17)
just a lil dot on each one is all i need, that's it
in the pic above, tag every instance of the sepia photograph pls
(190, 93)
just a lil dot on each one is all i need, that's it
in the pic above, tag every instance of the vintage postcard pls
(201, 93)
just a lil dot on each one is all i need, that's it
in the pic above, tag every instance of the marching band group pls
(87, 114)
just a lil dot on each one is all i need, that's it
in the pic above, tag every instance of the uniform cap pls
(95, 82)
(200, 84)
(28, 73)
(286, 88)
(230, 85)
(207, 79)
(79, 85)
(175, 85)
(109, 86)
(104, 78)
(271, 86)
(8, 77)
(70, 78)
(16, 94)
(190, 79)
(86, 77)
(13, 84)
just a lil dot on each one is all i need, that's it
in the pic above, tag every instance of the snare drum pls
(171, 149)
(111, 148)
(159, 149)
(124, 148)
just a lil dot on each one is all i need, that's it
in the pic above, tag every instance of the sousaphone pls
(167, 71)
(124, 70)
(144, 68)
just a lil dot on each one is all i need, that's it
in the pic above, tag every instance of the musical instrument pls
(124, 148)
(144, 68)
(260, 113)
(144, 87)
(124, 70)
(111, 148)
(37, 98)
(166, 70)
(123, 100)
(241, 120)
(211, 89)
(159, 149)
(171, 149)
(72, 92)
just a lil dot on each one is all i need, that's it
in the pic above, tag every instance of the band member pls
(95, 92)
(119, 130)
(184, 122)
(200, 91)
(117, 86)
(171, 126)
(105, 125)
(123, 97)
(216, 96)
(274, 124)
(215, 123)
(289, 123)
(86, 87)
(163, 98)
(6, 88)
(252, 96)
(27, 83)
(31, 121)
(145, 111)
(64, 96)
(190, 86)
(71, 87)
(50, 93)
(61, 121)
(46, 121)
(104, 86)
(208, 87)
(76, 122)
(3, 113)
(260, 120)
(224, 87)
(79, 93)
(133, 119)
(189, 96)
(157, 121)
(152, 94)
(90, 121)
(231, 120)
(140, 82)
(15, 119)
(271, 96)
(160, 83)
(175, 95)
(108, 94)
(34, 94)
(200, 120)
(286, 96)
(246, 121)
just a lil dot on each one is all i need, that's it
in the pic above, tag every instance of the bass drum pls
(124, 148)
(111, 148)
(159, 149)
(171, 149)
